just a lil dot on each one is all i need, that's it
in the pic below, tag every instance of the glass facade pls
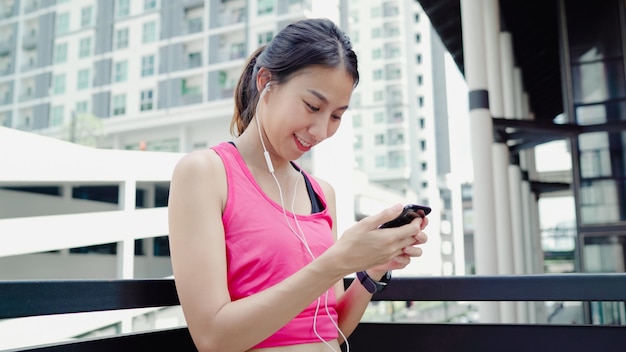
(595, 33)
(595, 41)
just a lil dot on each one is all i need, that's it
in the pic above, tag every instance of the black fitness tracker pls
(371, 285)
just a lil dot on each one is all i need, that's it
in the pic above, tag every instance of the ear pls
(263, 78)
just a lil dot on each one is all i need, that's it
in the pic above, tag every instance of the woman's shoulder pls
(198, 163)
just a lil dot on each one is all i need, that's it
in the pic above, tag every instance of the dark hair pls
(299, 45)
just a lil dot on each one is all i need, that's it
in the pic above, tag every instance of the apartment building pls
(400, 117)
(159, 75)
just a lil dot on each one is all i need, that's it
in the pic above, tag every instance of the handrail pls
(29, 298)
(32, 298)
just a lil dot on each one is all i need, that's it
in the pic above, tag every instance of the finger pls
(421, 237)
(424, 222)
(402, 259)
(412, 251)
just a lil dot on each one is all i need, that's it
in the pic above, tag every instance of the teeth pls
(306, 144)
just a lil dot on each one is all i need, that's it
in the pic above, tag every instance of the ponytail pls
(246, 95)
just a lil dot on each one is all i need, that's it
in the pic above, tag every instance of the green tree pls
(84, 129)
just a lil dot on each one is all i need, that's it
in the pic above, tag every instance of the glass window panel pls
(604, 253)
(595, 159)
(592, 30)
(60, 53)
(84, 47)
(623, 151)
(598, 81)
(599, 202)
(601, 113)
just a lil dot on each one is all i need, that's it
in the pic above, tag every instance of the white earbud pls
(268, 160)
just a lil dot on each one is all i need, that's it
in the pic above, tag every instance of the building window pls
(420, 80)
(378, 95)
(418, 58)
(423, 145)
(58, 85)
(82, 106)
(418, 38)
(149, 4)
(119, 104)
(357, 121)
(84, 47)
(423, 166)
(376, 33)
(377, 74)
(379, 139)
(120, 74)
(420, 101)
(60, 53)
(379, 117)
(417, 17)
(62, 24)
(392, 52)
(194, 60)
(358, 142)
(265, 6)
(195, 25)
(122, 8)
(237, 51)
(146, 100)
(376, 53)
(422, 123)
(85, 16)
(376, 11)
(56, 115)
(83, 79)
(265, 38)
(381, 161)
(147, 65)
(149, 32)
(121, 38)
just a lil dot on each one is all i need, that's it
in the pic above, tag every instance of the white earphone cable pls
(301, 235)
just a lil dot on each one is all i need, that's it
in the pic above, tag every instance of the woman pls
(253, 239)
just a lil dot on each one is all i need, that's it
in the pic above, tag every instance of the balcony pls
(29, 41)
(43, 298)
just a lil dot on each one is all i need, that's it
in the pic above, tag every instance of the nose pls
(319, 128)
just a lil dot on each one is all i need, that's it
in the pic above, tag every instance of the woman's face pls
(305, 110)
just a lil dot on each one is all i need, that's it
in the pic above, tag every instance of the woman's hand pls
(409, 252)
(365, 246)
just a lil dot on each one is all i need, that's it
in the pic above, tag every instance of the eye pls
(336, 117)
(311, 107)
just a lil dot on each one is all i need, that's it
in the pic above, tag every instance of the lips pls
(302, 144)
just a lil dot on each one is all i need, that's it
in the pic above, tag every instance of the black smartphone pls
(410, 212)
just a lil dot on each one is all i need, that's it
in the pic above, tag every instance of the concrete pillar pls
(500, 152)
(517, 229)
(184, 145)
(511, 111)
(126, 247)
(482, 140)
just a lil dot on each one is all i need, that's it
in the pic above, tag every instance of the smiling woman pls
(253, 237)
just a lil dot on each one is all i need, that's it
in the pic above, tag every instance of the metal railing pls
(36, 298)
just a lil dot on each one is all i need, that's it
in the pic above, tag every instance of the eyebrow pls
(321, 97)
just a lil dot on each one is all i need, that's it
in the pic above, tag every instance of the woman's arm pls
(197, 195)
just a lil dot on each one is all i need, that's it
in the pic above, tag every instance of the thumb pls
(386, 215)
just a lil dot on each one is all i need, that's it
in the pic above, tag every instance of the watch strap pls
(371, 285)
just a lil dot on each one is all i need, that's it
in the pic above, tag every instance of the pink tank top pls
(262, 251)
